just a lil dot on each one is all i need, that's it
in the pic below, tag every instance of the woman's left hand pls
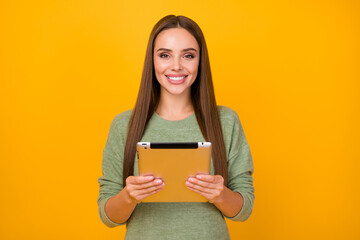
(209, 186)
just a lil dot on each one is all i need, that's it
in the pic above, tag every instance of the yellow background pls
(289, 68)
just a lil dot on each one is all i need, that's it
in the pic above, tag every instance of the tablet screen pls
(174, 162)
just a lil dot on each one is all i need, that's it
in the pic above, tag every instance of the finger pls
(199, 188)
(143, 196)
(206, 195)
(210, 178)
(202, 183)
(155, 182)
(139, 179)
(140, 197)
(147, 190)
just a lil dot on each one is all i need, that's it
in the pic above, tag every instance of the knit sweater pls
(178, 220)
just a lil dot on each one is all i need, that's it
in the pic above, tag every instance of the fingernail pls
(157, 181)
(149, 178)
(199, 176)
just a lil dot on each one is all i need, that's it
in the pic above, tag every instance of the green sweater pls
(178, 220)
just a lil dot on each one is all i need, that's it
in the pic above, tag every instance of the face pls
(176, 60)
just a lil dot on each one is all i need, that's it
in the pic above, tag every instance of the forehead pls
(175, 38)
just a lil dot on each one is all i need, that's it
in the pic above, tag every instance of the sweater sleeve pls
(240, 167)
(112, 167)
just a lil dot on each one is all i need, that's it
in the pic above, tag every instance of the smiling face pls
(176, 60)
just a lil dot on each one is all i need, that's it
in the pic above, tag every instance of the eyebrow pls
(169, 50)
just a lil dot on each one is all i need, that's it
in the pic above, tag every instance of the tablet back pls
(174, 163)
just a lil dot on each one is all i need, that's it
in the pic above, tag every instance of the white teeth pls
(176, 78)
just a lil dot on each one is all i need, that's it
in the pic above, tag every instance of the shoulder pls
(121, 120)
(227, 114)
(123, 117)
(229, 119)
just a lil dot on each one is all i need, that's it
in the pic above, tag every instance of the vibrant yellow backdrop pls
(289, 68)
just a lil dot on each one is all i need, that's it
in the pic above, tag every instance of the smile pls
(176, 80)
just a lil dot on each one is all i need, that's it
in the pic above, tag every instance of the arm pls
(241, 169)
(112, 166)
(115, 202)
(119, 207)
(236, 200)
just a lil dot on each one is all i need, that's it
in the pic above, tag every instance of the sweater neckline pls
(174, 121)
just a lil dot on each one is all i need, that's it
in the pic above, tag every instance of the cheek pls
(193, 67)
(159, 70)
(160, 66)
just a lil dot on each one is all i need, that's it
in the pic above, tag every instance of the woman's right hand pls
(140, 187)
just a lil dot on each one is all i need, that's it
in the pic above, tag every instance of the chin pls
(174, 91)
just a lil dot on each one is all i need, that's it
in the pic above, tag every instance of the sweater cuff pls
(244, 212)
(104, 218)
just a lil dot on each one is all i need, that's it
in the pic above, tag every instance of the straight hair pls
(202, 97)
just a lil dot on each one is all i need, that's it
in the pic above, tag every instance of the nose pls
(176, 65)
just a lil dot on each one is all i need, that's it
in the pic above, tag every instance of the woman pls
(176, 101)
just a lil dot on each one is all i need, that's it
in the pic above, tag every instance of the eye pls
(163, 55)
(190, 56)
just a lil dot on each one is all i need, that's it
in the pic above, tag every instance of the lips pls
(176, 78)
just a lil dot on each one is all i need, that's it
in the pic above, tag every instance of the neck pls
(174, 106)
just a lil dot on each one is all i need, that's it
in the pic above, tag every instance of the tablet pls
(174, 162)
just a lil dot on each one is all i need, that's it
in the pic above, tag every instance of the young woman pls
(176, 101)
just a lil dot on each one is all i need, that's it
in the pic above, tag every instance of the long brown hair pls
(202, 97)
